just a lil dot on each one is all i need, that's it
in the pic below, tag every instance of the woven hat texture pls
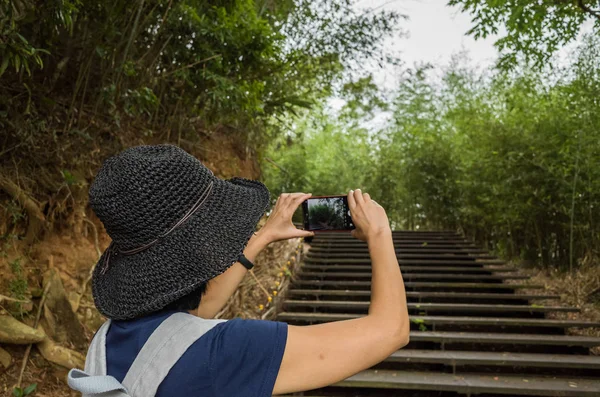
(139, 195)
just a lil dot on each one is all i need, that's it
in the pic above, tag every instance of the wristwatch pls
(244, 261)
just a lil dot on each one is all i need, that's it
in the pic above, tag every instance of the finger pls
(285, 200)
(367, 197)
(279, 201)
(297, 194)
(298, 199)
(359, 197)
(351, 200)
(305, 233)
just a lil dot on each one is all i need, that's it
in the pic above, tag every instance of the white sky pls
(435, 33)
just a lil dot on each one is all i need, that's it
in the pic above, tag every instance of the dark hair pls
(189, 301)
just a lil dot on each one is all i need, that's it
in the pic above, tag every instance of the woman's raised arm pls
(319, 355)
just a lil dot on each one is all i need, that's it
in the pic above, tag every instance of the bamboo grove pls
(512, 158)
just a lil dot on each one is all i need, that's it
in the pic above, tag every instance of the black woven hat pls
(174, 226)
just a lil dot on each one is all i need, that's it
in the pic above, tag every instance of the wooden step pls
(402, 240)
(323, 235)
(458, 358)
(344, 247)
(422, 294)
(399, 255)
(444, 320)
(340, 235)
(424, 242)
(413, 276)
(459, 307)
(449, 338)
(406, 250)
(432, 262)
(416, 284)
(475, 383)
(416, 232)
(414, 269)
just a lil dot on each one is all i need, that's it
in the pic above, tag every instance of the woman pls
(183, 240)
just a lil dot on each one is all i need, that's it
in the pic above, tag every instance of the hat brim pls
(206, 245)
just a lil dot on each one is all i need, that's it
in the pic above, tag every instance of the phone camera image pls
(327, 213)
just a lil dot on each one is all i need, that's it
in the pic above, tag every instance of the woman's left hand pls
(279, 226)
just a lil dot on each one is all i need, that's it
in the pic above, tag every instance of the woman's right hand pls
(368, 217)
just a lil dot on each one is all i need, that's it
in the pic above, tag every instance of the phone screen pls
(327, 213)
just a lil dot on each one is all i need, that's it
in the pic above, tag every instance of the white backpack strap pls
(94, 381)
(95, 361)
(94, 385)
(162, 350)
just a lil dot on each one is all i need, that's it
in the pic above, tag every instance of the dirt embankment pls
(580, 289)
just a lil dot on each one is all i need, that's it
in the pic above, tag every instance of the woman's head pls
(174, 226)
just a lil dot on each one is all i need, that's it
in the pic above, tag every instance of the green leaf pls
(17, 392)
(68, 177)
(30, 389)
(100, 51)
(4, 65)
(22, 39)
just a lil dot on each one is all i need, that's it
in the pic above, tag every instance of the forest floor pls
(580, 289)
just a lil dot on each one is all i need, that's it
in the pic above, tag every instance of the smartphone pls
(327, 213)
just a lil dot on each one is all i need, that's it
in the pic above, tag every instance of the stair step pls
(426, 241)
(346, 235)
(461, 307)
(474, 383)
(408, 231)
(398, 247)
(449, 357)
(414, 276)
(407, 269)
(449, 338)
(365, 261)
(420, 294)
(415, 249)
(417, 284)
(439, 320)
(400, 255)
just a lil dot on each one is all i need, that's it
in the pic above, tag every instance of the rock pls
(65, 325)
(59, 355)
(5, 360)
(75, 300)
(15, 332)
(49, 323)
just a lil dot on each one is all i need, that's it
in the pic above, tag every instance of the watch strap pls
(246, 262)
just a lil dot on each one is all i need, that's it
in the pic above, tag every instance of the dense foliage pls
(82, 79)
(530, 30)
(172, 67)
(510, 158)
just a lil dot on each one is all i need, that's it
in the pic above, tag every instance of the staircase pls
(472, 333)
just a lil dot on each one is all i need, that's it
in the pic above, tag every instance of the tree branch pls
(587, 9)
